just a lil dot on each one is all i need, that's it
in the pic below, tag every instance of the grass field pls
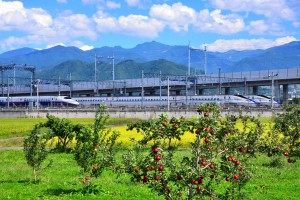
(63, 179)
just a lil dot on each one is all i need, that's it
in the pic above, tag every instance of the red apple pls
(155, 149)
(236, 177)
(286, 153)
(145, 179)
(157, 158)
(206, 114)
(211, 166)
(161, 168)
(164, 124)
(204, 163)
(169, 189)
(237, 162)
(206, 140)
(227, 179)
(241, 149)
(198, 188)
(207, 129)
(137, 170)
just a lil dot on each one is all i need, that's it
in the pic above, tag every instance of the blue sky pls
(221, 25)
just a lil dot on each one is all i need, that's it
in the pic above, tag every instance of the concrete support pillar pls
(255, 90)
(276, 90)
(285, 92)
(246, 90)
(227, 90)
(200, 91)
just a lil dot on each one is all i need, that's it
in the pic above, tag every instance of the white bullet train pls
(164, 101)
(44, 101)
(264, 101)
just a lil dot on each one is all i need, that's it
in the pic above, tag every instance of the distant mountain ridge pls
(285, 56)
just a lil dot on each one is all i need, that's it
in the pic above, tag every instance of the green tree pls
(35, 149)
(95, 150)
(63, 129)
(219, 155)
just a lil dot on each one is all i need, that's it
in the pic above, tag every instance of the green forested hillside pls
(129, 69)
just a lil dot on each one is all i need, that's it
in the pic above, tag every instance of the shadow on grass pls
(27, 181)
(60, 191)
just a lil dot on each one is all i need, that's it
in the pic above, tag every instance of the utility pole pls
(204, 50)
(189, 60)
(95, 73)
(272, 76)
(113, 66)
(168, 93)
(142, 85)
(220, 89)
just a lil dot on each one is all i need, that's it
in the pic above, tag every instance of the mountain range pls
(151, 57)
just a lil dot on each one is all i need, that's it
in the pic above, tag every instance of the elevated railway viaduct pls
(149, 84)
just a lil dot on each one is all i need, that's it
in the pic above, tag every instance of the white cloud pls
(217, 23)
(258, 27)
(56, 44)
(133, 2)
(82, 46)
(13, 16)
(134, 25)
(269, 8)
(62, 1)
(113, 5)
(70, 25)
(178, 17)
(92, 1)
(244, 44)
(15, 42)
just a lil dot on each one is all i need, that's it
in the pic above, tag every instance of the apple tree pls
(35, 149)
(94, 150)
(63, 129)
(218, 158)
(288, 125)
